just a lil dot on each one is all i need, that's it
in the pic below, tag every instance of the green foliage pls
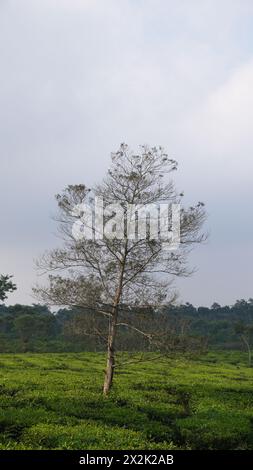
(54, 401)
(36, 329)
(6, 285)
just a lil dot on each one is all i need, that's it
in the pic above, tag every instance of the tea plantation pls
(54, 401)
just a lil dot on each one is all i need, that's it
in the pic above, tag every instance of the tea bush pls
(55, 401)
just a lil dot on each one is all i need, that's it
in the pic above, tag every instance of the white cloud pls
(220, 130)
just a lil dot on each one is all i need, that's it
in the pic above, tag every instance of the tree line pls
(184, 328)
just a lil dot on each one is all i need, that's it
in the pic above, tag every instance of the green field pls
(54, 401)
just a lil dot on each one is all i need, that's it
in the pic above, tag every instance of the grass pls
(54, 401)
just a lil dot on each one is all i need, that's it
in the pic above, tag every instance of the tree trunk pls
(110, 357)
(248, 349)
(110, 366)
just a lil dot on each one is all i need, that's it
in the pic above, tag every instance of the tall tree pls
(6, 286)
(116, 269)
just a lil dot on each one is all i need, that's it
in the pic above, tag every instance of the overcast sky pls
(78, 77)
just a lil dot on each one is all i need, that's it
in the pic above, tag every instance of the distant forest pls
(36, 329)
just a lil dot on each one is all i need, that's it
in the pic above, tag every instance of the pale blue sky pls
(77, 77)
